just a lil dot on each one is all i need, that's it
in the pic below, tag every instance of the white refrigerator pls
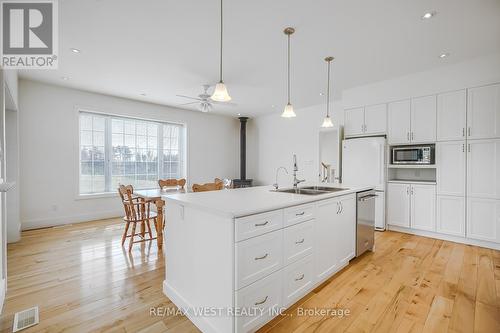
(364, 163)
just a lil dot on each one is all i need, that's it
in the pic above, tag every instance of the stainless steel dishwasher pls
(365, 221)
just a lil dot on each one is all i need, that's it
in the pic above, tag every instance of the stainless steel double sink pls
(311, 190)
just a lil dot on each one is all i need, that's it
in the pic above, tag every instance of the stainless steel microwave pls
(421, 154)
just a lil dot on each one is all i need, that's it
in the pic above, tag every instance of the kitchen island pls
(237, 258)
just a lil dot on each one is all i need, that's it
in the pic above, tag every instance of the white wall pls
(475, 72)
(10, 77)
(276, 139)
(49, 150)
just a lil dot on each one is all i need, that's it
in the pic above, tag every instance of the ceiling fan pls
(205, 103)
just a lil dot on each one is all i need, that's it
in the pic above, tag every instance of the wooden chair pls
(172, 182)
(137, 210)
(215, 186)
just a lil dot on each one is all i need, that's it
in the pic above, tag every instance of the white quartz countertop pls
(254, 200)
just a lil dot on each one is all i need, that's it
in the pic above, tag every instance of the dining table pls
(155, 196)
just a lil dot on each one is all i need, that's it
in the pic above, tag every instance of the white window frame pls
(111, 192)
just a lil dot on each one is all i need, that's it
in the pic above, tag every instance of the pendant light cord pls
(221, 28)
(328, 92)
(288, 68)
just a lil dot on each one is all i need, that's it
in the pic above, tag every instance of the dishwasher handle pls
(367, 197)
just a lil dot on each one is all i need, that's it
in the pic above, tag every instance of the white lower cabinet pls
(483, 219)
(412, 205)
(261, 298)
(450, 217)
(297, 280)
(277, 268)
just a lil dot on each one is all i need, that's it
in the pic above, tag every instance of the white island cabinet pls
(236, 258)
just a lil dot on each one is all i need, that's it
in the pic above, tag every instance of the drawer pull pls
(263, 257)
(261, 224)
(300, 278)
(300, 214)
(262, 302)
(300, 241)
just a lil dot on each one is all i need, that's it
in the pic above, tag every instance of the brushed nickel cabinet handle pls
(263, 257)
(469, 147)
(300, 214)
(463, 148)
(468, 130)
(262, 302)
(261, 224)
(300, 278)
(408, 136)
(463, 131)
(300, 241)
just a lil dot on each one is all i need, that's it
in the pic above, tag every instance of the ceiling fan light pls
(220, 93)
(288, 111)
(327, 122)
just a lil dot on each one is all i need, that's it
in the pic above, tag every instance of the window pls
(117, 150)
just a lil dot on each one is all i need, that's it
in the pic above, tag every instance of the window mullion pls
(161, 173)
(108, 151)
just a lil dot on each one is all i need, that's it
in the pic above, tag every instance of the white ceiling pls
(168, 47)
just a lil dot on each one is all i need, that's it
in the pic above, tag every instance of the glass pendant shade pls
(220, 93)
(288, 111)
(327, 122)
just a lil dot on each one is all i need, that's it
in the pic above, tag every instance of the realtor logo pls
(29, 34)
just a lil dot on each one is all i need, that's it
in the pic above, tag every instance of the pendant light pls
(327, 122)
(288, 111)
(220, 93)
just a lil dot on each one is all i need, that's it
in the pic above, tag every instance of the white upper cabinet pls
(398, 204)
(483, 112)
(399, 115)
(423, 119)
(450, 160)
(423, 207)
(451, 115)
(366, 121)
(483, 168)
(354, 122)
(376, 119)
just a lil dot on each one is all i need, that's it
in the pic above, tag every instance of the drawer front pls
(258, 300)
(297, 280)
(257, 257)
(255, 225)
(298, 241)
(297, 214)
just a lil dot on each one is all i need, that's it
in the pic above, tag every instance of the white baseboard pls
(456, 239)
(3, 284)
(182, 303)
(57, 221)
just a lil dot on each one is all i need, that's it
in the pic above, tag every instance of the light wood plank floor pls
(84, 282)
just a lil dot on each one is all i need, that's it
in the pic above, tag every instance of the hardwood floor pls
(84, 282)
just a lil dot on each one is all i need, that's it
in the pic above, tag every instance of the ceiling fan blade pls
(188, 103)
(195, 98)
(223, 103)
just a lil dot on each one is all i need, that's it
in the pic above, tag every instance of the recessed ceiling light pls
(322, 94)
(239, 114)
(65, 78)
(273, 106)
(75, 50)
(428, 15)
(143, 94)
(444, 55)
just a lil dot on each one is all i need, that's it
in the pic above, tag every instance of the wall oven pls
(421, 154)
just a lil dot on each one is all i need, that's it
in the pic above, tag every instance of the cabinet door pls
(346, 233)
(376, 119)
(354, 121)
(483, 168)
(450, 160)
(483, 112)
(483, 219)
(423, 119)
(325, 229)
(399, 122)
(450, 217)
(423, 207)
(451, 108)
(398, 204)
